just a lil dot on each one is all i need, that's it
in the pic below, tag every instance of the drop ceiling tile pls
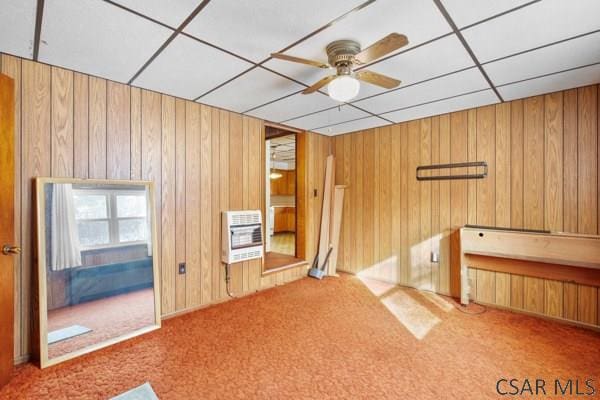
(293, 106)
(250, 90)
(467, 12)
(17, 26)
(532, 26)
(552, 83)
(559, 57)
(440, 57)
(327, 117)
(97, 38)
(419, 20)
(467, 101)
(188, 68)
(352, 126)
(172, 13)
(440, 88)
(434, 59)
(254, 29)
(302, 73)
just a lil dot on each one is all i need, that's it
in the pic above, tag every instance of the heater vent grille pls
(242, 236)
(245, 218)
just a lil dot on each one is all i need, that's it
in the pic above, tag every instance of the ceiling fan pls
(344, 56)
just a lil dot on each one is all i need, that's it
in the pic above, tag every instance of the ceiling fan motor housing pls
(344, 55)
(341, 55)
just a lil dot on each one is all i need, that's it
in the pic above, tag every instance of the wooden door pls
(7, 237)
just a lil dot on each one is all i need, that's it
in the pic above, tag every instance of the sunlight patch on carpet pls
(414, 316)
(439, 301)
(383, 270)
(142, 392)
(377, 287)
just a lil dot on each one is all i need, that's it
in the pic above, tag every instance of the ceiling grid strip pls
(549, 74)
(468, 93)
(189, 19)
(260, 64)
(39, 15)
(440, 6)
(449, 74)
(462, 39)
(499, 15)
(129, 10)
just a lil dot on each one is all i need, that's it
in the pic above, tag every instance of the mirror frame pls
(40, 182)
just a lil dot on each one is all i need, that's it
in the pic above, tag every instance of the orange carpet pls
(326, 339)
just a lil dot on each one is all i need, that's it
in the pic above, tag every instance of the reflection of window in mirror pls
(110, 218)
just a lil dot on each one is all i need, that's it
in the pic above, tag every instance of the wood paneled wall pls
(286, 185)
(543, 160)
(203, 160)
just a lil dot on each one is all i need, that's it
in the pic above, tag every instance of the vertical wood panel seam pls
(577, 162)
(544, 150)
(51, 122)
(130, 130)
(73, 114)
(495, 188)
(509, 177)
(106, 130)
(88, 126)
(21, 193)
(476, 141)
(160, 173)
(522, 172)
(185, 202)
(22, 228)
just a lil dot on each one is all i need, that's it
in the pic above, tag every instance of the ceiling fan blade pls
(388, 44)
(313, 63)
(377, 79)
(319, 84)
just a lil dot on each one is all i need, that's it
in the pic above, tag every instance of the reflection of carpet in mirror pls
(107, 318)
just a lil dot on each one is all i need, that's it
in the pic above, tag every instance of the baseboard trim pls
(571, 322)
(203, 306)
(286, 267)
(22, 359)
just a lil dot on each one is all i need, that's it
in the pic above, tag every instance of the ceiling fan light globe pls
(275, 175)
(343, 88)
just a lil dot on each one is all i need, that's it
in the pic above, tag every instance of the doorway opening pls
(281, 219)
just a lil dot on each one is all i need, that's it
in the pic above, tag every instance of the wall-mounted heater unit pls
(242, 236)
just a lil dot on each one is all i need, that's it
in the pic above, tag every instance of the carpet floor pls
(331, 339)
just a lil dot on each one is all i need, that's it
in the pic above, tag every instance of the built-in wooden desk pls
(550, 255)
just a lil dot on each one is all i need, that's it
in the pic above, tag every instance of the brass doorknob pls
(8, 249)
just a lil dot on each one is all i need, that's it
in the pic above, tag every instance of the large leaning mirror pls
(98, 279)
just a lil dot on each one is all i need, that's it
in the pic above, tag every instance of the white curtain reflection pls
(66, 249)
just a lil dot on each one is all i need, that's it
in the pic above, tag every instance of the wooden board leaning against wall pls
(203, 160)
(543, 155)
